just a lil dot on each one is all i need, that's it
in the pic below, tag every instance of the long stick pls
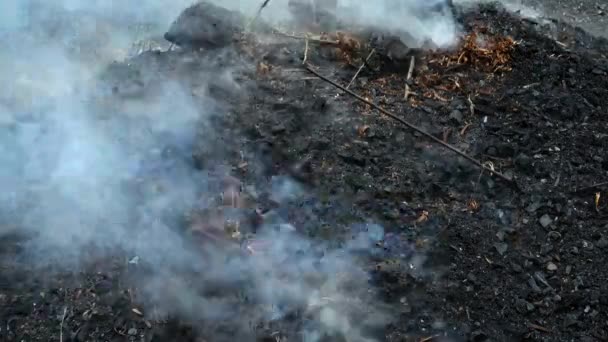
(474, 161)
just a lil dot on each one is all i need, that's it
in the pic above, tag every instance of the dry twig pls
(361, 68)
(591, 187)
(464, 129)
(509, 181)
(409, 77)
(427, 339)
(310, 39)
(305, 51)
(257, 15)
(65, 310)
(471, 105)
(538, 327)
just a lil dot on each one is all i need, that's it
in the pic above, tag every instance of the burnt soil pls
(500, 264)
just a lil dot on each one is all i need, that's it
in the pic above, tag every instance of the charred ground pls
(463, 257)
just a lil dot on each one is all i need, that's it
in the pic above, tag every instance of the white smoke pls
(415, 18)
(69, 161)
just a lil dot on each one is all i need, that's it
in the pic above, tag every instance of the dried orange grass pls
(348, 46)
(486, 52)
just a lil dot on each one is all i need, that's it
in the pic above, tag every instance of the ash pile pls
(343, 178)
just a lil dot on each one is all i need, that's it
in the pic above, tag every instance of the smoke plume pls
(84, 176)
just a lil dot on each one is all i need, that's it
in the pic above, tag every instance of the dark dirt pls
(464, 257)
(591, 15)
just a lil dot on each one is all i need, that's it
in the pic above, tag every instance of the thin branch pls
(257, 15)
(592, 187)
(310, 39)
(509, 181)
(305, 52)
(361, 68)
(409, 77)
(538, 327)
(471, 105)
(65, 310)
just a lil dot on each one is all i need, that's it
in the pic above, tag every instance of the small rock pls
(521, 305)
(516, 268)
(551, 267)
(523, 162)
(278, 128)
(597, 71)
(132, 332)
(396, 50)
(570, 320)
(554, 235)
(501, 248)
(541, 277)
(529, 306)
(568, 269)
(602, 243)
(322, 143)
(392, 214)
(353, 158)
(478, 336)
(546, 249)
(104, 286)
(587, 245)
(545, 221)
(534, 285)
(456, 116)
(532, 207)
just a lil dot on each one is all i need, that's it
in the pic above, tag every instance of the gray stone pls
(545, 221)
(205, 25)
(456, 116)
(501, 248)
